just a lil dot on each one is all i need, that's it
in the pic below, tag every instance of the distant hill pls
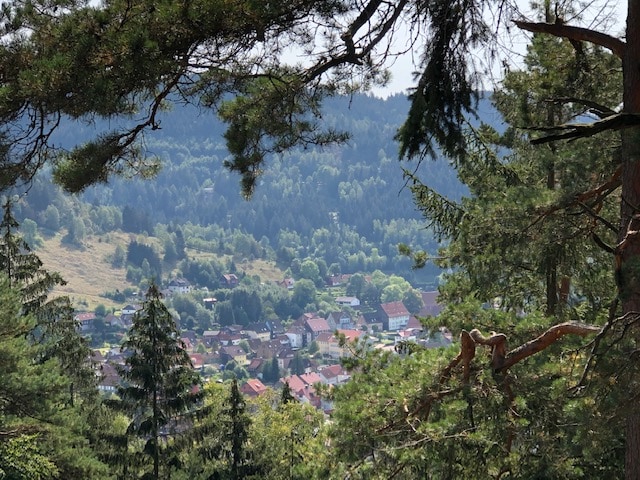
(351, 198)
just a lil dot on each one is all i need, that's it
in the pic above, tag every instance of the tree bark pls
(627, 253)
(632, 452)
(501, 361)
(630, 203)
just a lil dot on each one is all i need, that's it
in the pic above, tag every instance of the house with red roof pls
(395, 316)
(302, 387)
(253, 388)
(315, 326)
(329, 344)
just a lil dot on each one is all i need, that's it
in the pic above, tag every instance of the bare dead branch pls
(467, 352)
(498, 344)
(580, 34)
(548, 338)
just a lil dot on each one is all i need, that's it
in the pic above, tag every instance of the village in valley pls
(303, 353)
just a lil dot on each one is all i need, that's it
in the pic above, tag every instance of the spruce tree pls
(160, 390)
(55, 329)
(40, 437)
(235, 433)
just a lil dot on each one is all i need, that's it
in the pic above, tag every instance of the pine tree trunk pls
(632, 472)
(629, 274)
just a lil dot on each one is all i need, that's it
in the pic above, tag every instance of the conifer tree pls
(39, 437)
(56, 330)
(521, 243)
(160, 390)
(286, 396)
(28, 391)
(235, 433)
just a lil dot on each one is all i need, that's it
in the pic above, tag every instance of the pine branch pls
(572, 131)
(502, 361)
(609, 42)
(601, 111)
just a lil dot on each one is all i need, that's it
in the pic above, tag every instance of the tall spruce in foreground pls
(161, 391)
(41, 435)
(55, 328)
(27, 392)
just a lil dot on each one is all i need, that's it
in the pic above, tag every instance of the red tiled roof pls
(331, 371)
(318, 325)
(254, 387)
(351, 335)
(295, 383)
(310, 378)
(395, 309)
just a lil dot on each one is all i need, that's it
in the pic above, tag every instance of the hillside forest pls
(345, 207)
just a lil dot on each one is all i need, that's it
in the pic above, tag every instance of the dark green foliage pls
(247, 306)
(160, 390)
(522, 259)
(271, 117)
(28, 389)
(93, 162)
(67, 66)
(297, 365)
(286, 396)
(304, 293)
(135, 220)
(22, 267)
(271, 371)
(444, 94)
(205, 274)
(138, 253)
(235, 426)
(55, 331)
(47, 387)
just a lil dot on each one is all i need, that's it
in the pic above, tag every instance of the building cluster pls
(324, 340)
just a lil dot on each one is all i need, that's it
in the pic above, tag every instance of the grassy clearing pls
(87, 270)
(89, 273)
(267, 271)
